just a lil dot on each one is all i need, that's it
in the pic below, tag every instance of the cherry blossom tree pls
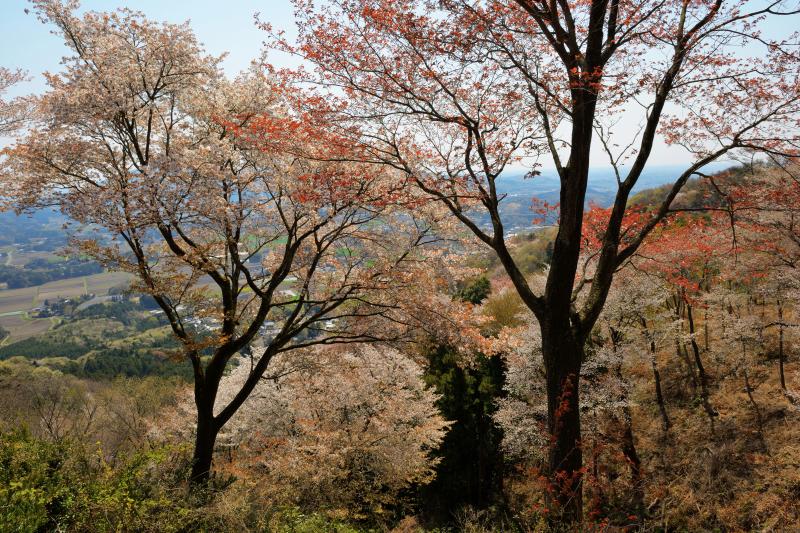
(761, 204)
(12, 112)
(337, 427)
(236, 240)
(451, 93)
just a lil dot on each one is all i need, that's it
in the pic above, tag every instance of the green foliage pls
(696, 193)
(475, 291)
(44, 346)
(64, 486)
(470, 468)
(131, 362)
(294, 521)
(104, 341)
(146, 301)
(504, 310)
(126, 312)
(531, 251)
(32, 485)
(48, 486)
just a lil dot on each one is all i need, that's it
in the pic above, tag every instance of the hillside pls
(344, 290)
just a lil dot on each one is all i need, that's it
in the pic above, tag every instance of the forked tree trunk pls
(563, 356)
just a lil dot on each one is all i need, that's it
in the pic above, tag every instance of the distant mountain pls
(515, 209)
(44, 228)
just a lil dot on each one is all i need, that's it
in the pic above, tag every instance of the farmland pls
(15, 304)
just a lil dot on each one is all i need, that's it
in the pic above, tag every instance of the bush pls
(293, 520)
(61, 486)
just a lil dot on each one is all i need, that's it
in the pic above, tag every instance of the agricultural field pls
(22, 326)
(13, 256)
(15, 304)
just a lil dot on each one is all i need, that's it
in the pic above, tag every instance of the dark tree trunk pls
(781, 353)
(203, 449)
(563, 355)
(756, 409)
(206, 385)
(629, 450)
(665, 423)
(680, 347)
(701, 371)
(683, 355)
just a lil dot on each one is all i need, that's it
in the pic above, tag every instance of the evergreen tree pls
(470, 468)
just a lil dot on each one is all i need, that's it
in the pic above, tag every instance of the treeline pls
(41, 347)
(41, 271)
(127, 362)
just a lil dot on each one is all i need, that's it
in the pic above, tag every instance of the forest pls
(331, 322)
(39, 271)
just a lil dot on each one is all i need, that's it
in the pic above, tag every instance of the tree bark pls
(665, 423)
(683, 355)
(206, 385)
(563, 355)
(756, 409)
(701, 371)
(204, 442)
(635, 464)
(781, 353)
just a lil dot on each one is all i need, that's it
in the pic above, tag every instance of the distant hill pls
(515, 209)
(44, 229)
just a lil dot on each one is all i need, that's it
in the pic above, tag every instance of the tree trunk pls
(203, 449)
(683, 355)
(665, 423)
(635, 464)
(563, 356)
(700, 370)
(756, 409)
(680, 346)
(781, 353)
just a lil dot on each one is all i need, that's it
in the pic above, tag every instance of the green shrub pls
(49, 486)
(294, 521)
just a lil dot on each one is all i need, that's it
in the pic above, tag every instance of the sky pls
(221, 25)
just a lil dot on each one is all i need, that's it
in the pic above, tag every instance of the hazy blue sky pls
(222, 26)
